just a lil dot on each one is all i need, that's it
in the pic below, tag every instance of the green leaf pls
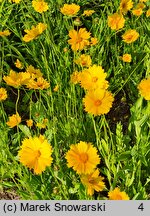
(124, 156)
(105, 147)
(25, 130)
(8, 184)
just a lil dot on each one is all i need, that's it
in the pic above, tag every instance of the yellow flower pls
(14, 120)
(88, 12)
(3, 94)
(148, 13)
(35, 153)
(93, 41)
(16, 79)
(93, 77)
(29, 123)
(141, 6)
(15, 1)
(137, 12)
(82, 157)
(116, 194)
(34, 32)
(43, 124)
(70, 9)
(84, 60)
(144, 88)
(125, 6)
(5, 33)
(126, 58)
(65, 50)
(143, 0)
(98, 102)
(18, 64)
(40, 125)
(116, 21)
(130, 36)
(55, 89)
(93, 182)
(75, 77)
(40, 5)
(39, 83)
(45, 121)
(34, 73)
(79, 39)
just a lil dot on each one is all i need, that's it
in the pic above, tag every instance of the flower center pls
(98, 102)
(124, 6)
(71, 11)
(118, 197)
(130, 37)
(94, 79)
(83, 63)
(37, 154)
(40, 85)
(79, 39)
(83, 157)
(92, 181)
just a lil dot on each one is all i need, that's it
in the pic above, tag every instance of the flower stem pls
(17, 100)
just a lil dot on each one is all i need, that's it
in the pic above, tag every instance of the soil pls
(8, 195)
(120, 112)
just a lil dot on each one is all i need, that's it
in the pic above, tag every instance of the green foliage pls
(123, 145)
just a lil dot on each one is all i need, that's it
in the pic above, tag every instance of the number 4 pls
(141, 207)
